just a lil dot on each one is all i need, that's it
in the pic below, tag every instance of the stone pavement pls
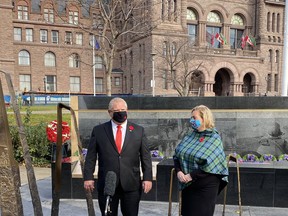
(147, 208)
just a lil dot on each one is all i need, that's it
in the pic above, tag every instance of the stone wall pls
(246, 124)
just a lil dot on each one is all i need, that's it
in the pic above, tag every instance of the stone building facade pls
(46, 50)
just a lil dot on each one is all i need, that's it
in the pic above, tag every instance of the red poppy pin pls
(131, 128)
(201, 139)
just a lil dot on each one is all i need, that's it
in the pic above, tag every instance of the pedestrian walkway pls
(147, 208)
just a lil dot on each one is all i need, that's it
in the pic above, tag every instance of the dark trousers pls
(199, 198)
(129, 202)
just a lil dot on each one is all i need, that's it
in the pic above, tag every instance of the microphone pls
(109, 189)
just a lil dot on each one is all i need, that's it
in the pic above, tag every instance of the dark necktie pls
(119, 138)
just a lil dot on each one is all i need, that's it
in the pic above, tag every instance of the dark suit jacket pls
(126, 165)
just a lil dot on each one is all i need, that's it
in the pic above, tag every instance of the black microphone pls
(109, 189)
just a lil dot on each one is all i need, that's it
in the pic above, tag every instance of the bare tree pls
(182, 66)
(115, 24)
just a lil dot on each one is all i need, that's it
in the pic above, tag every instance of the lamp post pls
(153, 75)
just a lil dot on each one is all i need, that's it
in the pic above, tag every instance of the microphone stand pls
(107, 206)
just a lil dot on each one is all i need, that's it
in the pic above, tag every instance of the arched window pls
(278, 23)
(236, 31)
(191, 15)
(273, 22)
(270, 55)
(213, 27)
(192, 25)
(164, 48)
(74, 61)
(268, 21)
(49, 59)
(213, 17)
(277, 56)
(24, 58)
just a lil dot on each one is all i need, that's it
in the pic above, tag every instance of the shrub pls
(39, 146)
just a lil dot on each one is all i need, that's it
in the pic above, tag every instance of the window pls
(278, 23)
(235, 38)
(74, 84)
(277, 56)
(268, 21)
(211, 30)
(276, 82)
(74, 61)
(98, 62)
(165, 81)
(68, 37)
(173, 48)
(79, 38)
(192, 32)
(25, 82)
(237, 20)
(22, 12)
(236, 31)
(191, 25)
(55, 37)
(190, 15)
(43, 36)
(214, 20)
(117, 81)
(164, 48)
(24, 58)
(99, 85)
(213, 17)
(73, 17)
(270, 55)
(49, 15)
(269, 82)
(29, 35)
(50, 59)
(17, 34)
(50, 83)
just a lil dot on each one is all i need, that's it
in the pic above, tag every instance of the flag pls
(210, 38)
(243, 42)
(220, 38)
(250, 40)
(97, 45)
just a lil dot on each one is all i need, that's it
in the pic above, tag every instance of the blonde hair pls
(206, 115)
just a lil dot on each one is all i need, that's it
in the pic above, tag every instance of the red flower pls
(131, 128)
(51, 131)
(201, 139)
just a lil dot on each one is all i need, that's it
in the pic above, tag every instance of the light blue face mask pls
(195, 123)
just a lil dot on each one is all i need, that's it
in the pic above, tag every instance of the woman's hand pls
(184, 178)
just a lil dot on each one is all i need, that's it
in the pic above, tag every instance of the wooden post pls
(10, 196)
(27, 158)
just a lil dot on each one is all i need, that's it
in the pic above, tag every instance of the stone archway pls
(196, 84)
(247, 84)
(222, 83)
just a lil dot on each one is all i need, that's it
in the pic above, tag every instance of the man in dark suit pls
(122, 157)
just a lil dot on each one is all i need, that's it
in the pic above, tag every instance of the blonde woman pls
(200, 165)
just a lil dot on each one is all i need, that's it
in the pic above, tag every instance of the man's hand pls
(146, 185)
(184, 178)
(89, 185)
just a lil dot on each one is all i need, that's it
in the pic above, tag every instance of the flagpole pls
(285, 55)
(94, 90)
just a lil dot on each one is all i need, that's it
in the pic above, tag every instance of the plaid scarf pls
(202, 151)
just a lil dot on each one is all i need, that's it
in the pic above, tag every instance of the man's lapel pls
(127, 136)
(109, 132)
